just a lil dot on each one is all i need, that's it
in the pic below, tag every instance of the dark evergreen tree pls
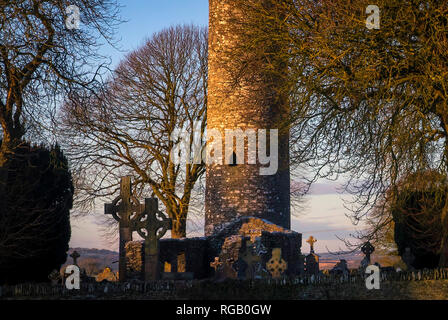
(417, 217)
(36, 194)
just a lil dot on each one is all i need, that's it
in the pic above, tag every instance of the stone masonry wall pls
(253, 103)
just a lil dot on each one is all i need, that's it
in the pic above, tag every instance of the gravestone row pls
(151, 224)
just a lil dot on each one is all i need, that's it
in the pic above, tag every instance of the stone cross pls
(276, 265)
(311, 240)
(367, 249)
(216, 264)
(250, 259)
(123, 209)
(75, 255)
(151, 226)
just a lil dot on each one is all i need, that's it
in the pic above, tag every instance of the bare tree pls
(128, 127)
(42, 58)
(368, 104)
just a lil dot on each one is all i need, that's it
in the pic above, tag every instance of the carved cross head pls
(153, 223)
(126, 206)
(75, 255)
(367, 249)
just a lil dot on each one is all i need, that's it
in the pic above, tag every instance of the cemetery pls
(247, 248)
(250, 258)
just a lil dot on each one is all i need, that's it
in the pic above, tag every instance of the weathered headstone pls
(250, 259)
(312, 264)
(276, 265)
(123, 209)
(75, 255)
(341, 268)
(367, 248)
(151, 226)
(216, 264)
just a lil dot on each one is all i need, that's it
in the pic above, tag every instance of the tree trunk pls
(179, 229)
(5, 149)
(444, 245)
(444, 251)
(444, 221)
(10, 141)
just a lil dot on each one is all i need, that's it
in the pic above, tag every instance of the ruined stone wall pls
(247, 102)
(233, 290)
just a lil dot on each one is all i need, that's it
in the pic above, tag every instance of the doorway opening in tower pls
(233, 160)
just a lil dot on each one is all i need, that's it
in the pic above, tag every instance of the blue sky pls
(324, 213)
(144, 17)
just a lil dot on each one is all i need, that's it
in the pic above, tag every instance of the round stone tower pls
(251, 103)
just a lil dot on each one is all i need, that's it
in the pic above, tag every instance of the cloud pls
(326, 188)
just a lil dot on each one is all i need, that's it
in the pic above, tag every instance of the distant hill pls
(328, 260)
(94, 260)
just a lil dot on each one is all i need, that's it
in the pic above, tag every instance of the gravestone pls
(151, 225)
(367, 249)
(276, 265)
(341, 268)
(216, 264)
(75, 255)
(312, 260)
(229, 256)
(123, 209)
(251, 260)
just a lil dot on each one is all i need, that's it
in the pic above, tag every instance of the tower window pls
(232, 162)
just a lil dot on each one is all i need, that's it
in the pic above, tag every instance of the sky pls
(323, 215)
(145, 17)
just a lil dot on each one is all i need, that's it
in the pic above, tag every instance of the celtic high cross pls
(124, 208)
(151, 225)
